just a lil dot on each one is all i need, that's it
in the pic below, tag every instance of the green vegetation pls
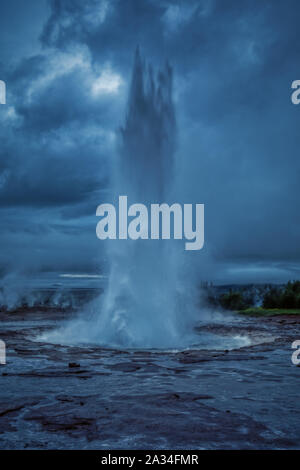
(260, 311)
(275, 301)
(288, 298)
(233, 301)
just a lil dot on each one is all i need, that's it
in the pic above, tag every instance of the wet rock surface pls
(60, 397)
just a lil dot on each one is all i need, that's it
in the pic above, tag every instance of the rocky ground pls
(59, 397)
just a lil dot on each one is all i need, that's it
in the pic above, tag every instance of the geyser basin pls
(197, 399)
(229, 335)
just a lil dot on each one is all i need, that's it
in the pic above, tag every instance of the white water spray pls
(141, 307)
(144, 305)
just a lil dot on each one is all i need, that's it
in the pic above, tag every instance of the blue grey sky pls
(67, 66)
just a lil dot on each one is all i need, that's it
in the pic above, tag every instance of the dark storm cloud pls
(64, 100)
(109, 28)
(238, 131)
(55, 134)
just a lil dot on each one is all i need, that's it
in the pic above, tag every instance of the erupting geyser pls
(141, 307)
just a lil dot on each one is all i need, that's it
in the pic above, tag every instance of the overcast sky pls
(67, 66)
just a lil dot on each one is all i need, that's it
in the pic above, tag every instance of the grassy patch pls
(260, 311)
